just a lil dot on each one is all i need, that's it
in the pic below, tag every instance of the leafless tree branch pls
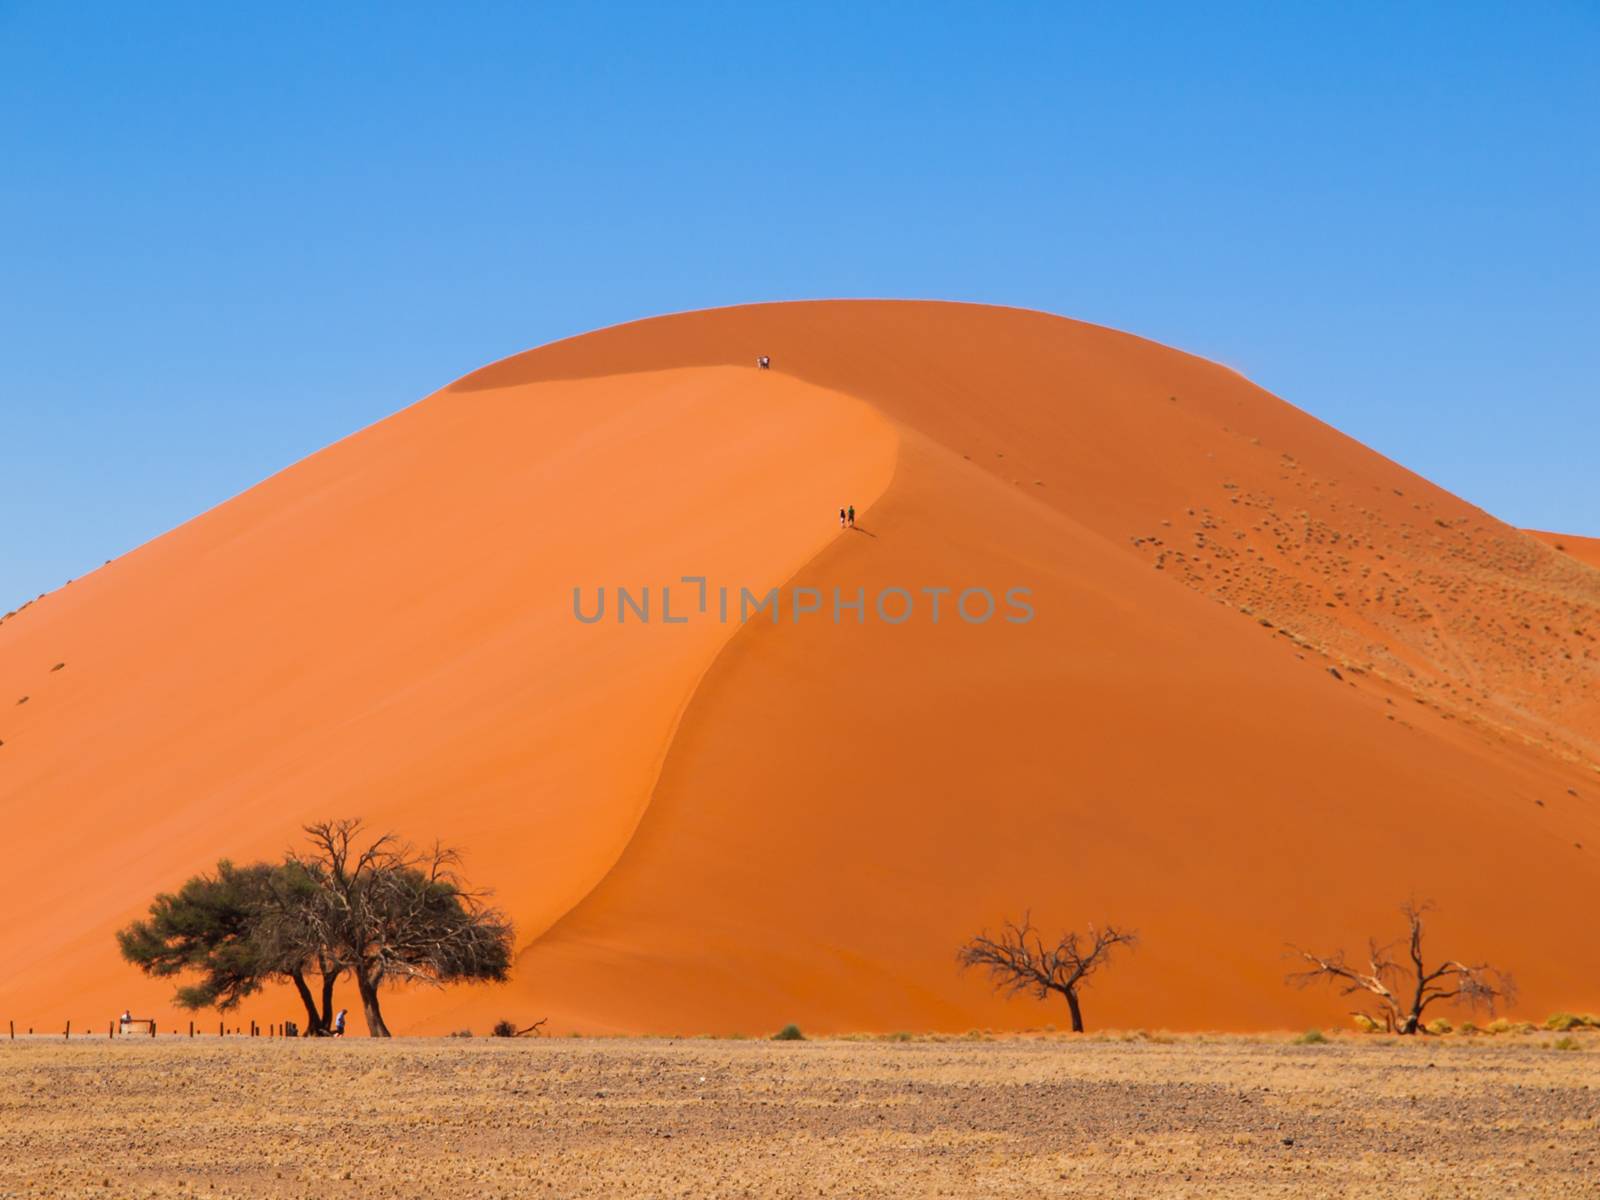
(1017, 960)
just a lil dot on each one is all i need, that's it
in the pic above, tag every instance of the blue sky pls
(234, 234)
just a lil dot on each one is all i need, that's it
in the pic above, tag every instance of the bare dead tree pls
(1019, 961)
(1402, 985)
(508, 1029)
(392, 914)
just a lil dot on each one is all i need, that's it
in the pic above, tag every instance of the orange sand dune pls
(708, 827)
(1584, 549)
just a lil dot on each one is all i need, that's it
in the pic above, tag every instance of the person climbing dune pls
(841, 518)
(852, 516)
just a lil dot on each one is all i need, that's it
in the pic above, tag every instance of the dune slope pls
(387, 630)
(1273, 684)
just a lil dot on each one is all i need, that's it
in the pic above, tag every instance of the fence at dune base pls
(147, 1027)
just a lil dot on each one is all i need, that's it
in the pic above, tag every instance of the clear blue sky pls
(233, 234)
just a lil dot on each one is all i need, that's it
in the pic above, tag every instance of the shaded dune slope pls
(711, 828)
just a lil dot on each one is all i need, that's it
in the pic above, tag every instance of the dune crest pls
(1274, 684)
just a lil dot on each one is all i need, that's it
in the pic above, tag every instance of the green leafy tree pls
(382, 912)
(237, 930)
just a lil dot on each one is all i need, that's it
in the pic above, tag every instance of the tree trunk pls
(1077, 1013)
(1413, 1018)
(330, 976)
(306, 999)
(369, 1005)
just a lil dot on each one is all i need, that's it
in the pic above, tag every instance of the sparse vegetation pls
(1019, 961)
(1405, 991)
(789, 1033)
(1566, 1042)
(1311, 1037)
(1564, 1022)
(429, 1118)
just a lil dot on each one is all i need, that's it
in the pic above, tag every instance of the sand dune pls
(1274, 684)
(1584, 549)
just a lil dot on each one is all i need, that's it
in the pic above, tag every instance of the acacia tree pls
(392, 914)
(1404, 990)
(291, 933)
(1019, 961)
(239, 929)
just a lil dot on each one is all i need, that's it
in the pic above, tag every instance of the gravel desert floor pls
(1141, 1117)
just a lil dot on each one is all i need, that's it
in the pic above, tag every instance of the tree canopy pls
(392, 914)
(373, 908)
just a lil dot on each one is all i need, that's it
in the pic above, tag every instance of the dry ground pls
(1191, 1117)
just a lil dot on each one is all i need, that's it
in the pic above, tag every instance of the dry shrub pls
(1564, 1022)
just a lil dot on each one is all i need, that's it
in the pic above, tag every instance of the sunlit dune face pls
(1270, 685)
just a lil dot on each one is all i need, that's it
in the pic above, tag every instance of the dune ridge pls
(1363, 688)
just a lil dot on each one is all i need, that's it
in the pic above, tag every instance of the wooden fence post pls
(191, 1028)
(69, 1031)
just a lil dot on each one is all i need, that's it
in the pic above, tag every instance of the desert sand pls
(1584, 549)
(1275, 685)
(1359, 1117)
